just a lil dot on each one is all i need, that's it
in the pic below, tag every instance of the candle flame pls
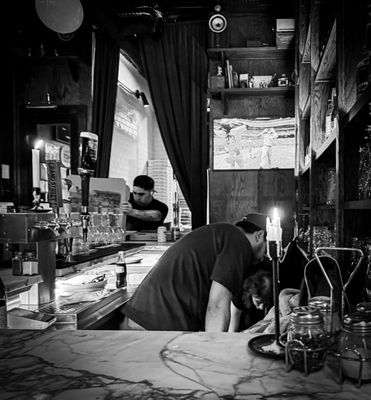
(38, 143)
(275, 214)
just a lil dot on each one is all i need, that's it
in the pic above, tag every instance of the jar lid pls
(322, 303)
(306, 315)
(364, 307)
(358, 322)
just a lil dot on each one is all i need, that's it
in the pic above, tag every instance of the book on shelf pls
(229, 73)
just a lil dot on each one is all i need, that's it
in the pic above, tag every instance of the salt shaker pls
(355, 346)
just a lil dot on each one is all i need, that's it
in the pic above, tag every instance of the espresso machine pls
(35, 232)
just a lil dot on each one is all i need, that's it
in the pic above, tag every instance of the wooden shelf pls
(270, 91)
(325, 206)
(306, 111)
(326, 146)
(252, 53)
(306, 54)
(326, 69)
(358, 204)
(46, 59)
(358, 106)
(306, 168)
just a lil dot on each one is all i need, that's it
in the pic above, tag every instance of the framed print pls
(255, 143)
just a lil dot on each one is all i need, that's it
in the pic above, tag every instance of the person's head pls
(143, 188)
(254, 227)
(258, 287)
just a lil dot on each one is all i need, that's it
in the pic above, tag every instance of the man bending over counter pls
(144, 212)
(192, 286)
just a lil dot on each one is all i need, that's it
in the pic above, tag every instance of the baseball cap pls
(257, 219)
(144, 181)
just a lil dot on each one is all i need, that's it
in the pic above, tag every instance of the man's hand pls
(126, 208)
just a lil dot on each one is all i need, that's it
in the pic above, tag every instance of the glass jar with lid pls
(30, 263)
(355, 345)
(331, 319)
(307, 340)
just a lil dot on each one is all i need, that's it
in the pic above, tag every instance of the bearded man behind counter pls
(144, 212)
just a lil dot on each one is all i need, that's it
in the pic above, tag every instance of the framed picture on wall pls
(254, 143)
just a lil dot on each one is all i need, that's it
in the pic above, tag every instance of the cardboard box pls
(285, 24)
(217, 82)
(285, 32)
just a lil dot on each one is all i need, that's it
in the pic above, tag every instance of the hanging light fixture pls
(144, 99)
(139, 94)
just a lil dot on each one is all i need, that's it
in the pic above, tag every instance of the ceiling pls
(171, 10)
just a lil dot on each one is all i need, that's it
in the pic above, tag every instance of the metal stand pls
(328, 250)
(269, 345)
(85, 216)
(274, 252)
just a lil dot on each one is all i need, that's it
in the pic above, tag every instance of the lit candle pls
(274, 231)
(277, 226)
(35, 168)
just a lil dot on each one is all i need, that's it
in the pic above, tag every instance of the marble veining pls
(67, 365)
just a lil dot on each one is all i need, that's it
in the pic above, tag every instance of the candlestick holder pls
(269, 345)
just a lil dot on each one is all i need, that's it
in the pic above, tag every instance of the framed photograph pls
(255, 143)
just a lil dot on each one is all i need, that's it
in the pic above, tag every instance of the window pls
(137, 146)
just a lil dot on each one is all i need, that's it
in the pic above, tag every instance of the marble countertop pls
(67, 365)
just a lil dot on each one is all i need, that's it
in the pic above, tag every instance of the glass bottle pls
(121, 270)
(17, 263)
(307, 340)
(355, 346)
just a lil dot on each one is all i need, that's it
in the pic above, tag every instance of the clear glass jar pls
(307, 340)
(30, 264)
(161, 234)
(331, 319)
(355, 346)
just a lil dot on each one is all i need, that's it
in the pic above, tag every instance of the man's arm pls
(234, 323)
(218, 308)
(145, 215)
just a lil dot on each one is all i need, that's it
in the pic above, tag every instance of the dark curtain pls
(176, 69)
(106, 65)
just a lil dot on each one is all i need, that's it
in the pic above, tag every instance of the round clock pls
(217, 23)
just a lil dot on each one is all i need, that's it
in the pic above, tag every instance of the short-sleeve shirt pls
(174, 295)
(136, 224)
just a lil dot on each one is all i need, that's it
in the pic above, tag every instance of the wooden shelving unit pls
(269, 91)
(250, 187)
(327, 146)
(252, 53)
(333, 56)
(326, 69)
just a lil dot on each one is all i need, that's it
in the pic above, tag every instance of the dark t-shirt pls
(136, 224)
(174, 295)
